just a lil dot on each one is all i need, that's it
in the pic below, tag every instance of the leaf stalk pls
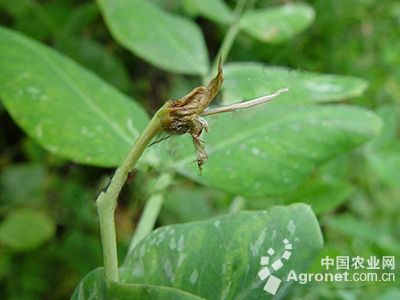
(107, 200)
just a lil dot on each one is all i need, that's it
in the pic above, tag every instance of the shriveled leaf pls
(270, 149)
(215, 10)
(26, 229)
(93, 286)
(277, 24)
(178, 256)
(65, 108)
(167, 41)
(191, 106)
(245, 81)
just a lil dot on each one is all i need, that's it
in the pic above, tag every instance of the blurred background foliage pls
(49, 237)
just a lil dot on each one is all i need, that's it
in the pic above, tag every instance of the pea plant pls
(250, 153)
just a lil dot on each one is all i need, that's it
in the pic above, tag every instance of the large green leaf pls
(277, 24)
(324, 195)
(244, 81)
(66, 109)
(325, 190)
(170, 42)
(93, 286)
(272, 148)
(215, 10)
(26, 229)
(177, 209)
(220, 258)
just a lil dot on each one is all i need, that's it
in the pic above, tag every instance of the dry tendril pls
(185, 115)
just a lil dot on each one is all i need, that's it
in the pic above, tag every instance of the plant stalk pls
(151, 210)
(107, 200)
(147, 219)
(229, 38)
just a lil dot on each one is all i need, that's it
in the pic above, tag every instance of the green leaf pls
(26, 229)
(167, 41)
(93, 286)
(327, 189)
(277, 24)
(323, 195)
(215, 10)
(361, 229)
(270, 149)
(220, 258)
(96, 58)
(354, 227)
(66, 109)
(187, 203)
(244, 81)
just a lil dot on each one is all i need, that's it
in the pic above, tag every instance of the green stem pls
(229, 38)
(147, 219)
(151, 210)
(107, 201)
(237, 204)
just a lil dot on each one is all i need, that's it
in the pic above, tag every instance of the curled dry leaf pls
(185, 115)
